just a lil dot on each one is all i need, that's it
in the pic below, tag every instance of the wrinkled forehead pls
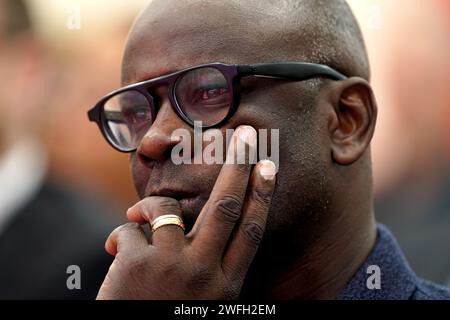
(172, 35)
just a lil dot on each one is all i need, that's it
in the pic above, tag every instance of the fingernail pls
(267, 169)
(247, 134)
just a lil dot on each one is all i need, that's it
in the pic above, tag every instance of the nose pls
(158, 142)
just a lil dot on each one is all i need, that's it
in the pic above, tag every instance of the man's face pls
(169, 37)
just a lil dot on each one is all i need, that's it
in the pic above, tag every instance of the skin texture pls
(320, 225)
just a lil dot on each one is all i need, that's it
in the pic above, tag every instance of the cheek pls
(140, 175)
(301, 176)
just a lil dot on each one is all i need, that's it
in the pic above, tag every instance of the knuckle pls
(253, 231)
(124, 229)
(262, 196)
(229, 207)
(169, 203)
(125, 233)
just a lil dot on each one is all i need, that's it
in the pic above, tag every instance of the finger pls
(218, 217)
(127, 237)
(248, 234)
(148, 209)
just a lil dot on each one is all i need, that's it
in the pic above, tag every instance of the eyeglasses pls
(209, 93)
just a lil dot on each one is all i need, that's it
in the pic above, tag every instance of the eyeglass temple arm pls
(290, 70)
(112, 116)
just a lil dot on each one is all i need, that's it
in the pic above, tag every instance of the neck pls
(321, 269)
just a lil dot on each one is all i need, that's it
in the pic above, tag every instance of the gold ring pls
(167, 219)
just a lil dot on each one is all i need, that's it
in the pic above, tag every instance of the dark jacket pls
(58, 228)
(398, 281)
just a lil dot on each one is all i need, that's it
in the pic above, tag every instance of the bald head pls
(320, 31)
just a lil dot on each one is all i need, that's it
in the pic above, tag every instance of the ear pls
(353, 119)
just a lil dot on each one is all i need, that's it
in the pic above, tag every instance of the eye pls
(210, 93)
(138, 115)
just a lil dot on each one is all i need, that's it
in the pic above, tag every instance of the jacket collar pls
(397, 280)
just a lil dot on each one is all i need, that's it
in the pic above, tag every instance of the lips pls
(177, 194)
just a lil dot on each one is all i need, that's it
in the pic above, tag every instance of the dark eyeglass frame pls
(294, 71)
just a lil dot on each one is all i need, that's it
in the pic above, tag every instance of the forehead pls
(172, 35)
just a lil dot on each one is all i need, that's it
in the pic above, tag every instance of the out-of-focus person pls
(45, 227)
(411, 150)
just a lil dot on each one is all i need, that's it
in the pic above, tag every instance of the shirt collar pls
(397, 280)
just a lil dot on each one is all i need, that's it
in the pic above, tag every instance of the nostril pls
(155, 148)
(145, 160)
(168, 153)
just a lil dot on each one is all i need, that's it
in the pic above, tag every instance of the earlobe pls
(355, 117)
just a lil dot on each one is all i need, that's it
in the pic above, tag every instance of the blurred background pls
(58, 57)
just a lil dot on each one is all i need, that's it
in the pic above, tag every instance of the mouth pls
(178, 194)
